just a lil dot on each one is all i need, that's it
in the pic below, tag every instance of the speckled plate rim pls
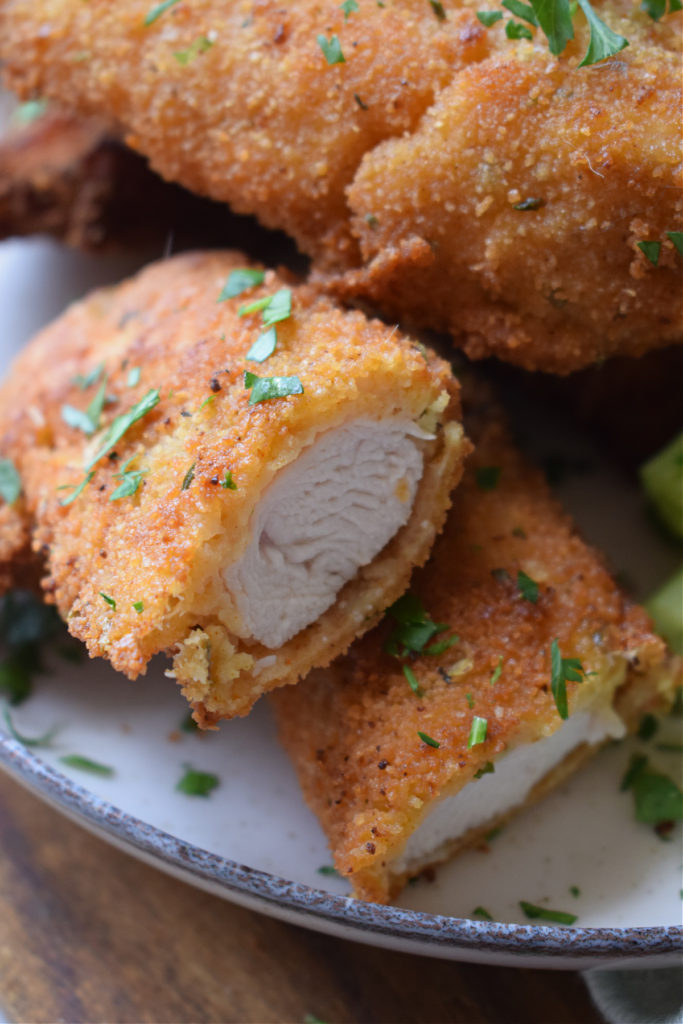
(392, 927)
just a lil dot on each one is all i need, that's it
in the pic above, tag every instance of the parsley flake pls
(10, 481)
(528, 588)
(139, 607)
(575, 891)
(658, 8)
(428, 740)
(563, 670)
(133, 378)
(348, 7)
(487, 477)
(188, 478)
(555, 19)
(157, 11)
(188, 724)
(556, 916)
(497, 672)
(522, 10)
(110, 600)
(412, 680)
(130, 481)
(531, 203)
(263, 347)
(79, 489)
(651, 251)
(363, 106)
(265, 388)
(488, 769)
(488, 18)
(227, 483)
(414, 629)
(438, 9)
(657, 798)
(470, 700)
(28, 112)
(87, 381)
(515, 30)
(603, 41)
(200, 45)
(85, 764)
(194, 783)
(477, 732)
(239, 281)
(28, 741)
(676, 236)
(328, 869)
(482, 912)
(273, 308)
(122, 423)
(647, 728)
(332, 50)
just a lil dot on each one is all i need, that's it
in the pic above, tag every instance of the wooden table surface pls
(88, 933)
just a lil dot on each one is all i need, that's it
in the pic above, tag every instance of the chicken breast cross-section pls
(248, 517)
(444, 721)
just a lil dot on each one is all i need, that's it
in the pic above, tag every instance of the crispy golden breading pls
(352, 729)
(159, 553)
(406, 165)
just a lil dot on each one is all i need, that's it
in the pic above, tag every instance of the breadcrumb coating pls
(461, 179)
(143, 573)
(353, 729)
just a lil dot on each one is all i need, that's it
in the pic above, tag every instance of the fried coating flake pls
(356, 731)
(440, 171)
(143, 571)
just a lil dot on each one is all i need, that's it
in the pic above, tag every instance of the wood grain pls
(87, 933)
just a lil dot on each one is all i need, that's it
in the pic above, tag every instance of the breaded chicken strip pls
(408, 760)
(241, 481)
(467, 181)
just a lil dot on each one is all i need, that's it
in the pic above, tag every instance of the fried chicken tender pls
(439, 171)
(391, 771)
(251, 535)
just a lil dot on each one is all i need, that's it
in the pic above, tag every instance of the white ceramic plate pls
(254, 841)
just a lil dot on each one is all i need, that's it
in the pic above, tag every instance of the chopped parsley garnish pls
(79, 489)
(414, 629)
(438, 9)
(28, 741)
(15, 677)
(521, 10)
(139, 606)
(477, 732)
(487, 477)
(488, 18)
(188, 724)
(528, 588)
(227, 483)
(658, 8)
(363, 106)
(87, 420)
(87, 381)
(470, 700)
(676, 236)
(109, 600)
(194, 783)
(488, 769)
(157, 11)
(348, 7)
(575, 891)
(563, 670)
(28, 112)
(279, 307)
(670, 748)
(497, 672)
(263, 347)
(122, 423)
(648, 727)
(133, 378)
(603, 41)
(412, 680)
(200, 45)
(429, 740)
(188, 478)
(265, 388)
(556, 916)
(85, 764)
(10, 481)
(240, 281)
(328, 869)
(657, 797)
(332, 50)
(515, 30)
(25, 624)
(531, 203)
(651, 251)
(130, 481)
(482, 912)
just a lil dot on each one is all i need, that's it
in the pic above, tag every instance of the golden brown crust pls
(404, 164)
(159, 553)
(353, 730)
